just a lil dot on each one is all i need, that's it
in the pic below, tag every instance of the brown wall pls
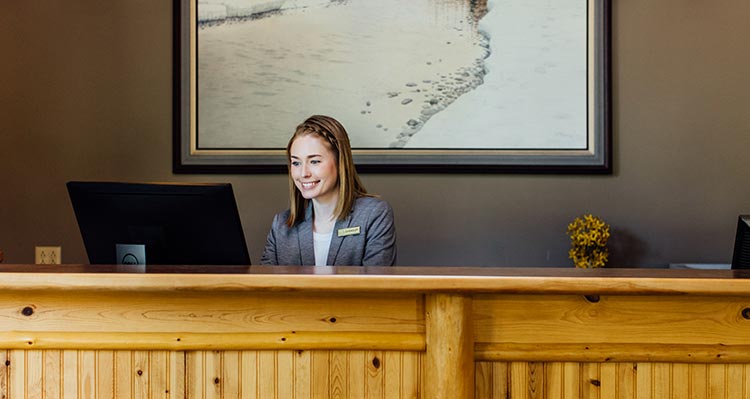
(85, 94)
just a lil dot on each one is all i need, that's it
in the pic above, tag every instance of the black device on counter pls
(159, 223)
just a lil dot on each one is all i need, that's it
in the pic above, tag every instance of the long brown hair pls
(349, 186)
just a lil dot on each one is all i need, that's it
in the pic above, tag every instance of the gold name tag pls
(351, 231)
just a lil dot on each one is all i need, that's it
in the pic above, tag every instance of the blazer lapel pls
(333, 250)
(305, 239)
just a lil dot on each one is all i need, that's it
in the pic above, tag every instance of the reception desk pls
(78, 331)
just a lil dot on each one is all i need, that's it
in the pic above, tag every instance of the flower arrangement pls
(588, 241)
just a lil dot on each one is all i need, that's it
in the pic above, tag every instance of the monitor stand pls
(131, 254)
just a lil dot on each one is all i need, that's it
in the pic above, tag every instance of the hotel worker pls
(332, 221)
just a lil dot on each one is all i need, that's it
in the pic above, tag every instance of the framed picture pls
(516, 86)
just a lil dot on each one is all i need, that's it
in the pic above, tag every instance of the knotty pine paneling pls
(211, 374)
(567, 380)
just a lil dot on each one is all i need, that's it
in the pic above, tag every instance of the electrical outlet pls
(48, 255)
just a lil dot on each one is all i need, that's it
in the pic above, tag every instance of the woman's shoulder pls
(281, 217)
(371, 202)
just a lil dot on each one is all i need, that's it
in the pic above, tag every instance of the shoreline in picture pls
(392, 74)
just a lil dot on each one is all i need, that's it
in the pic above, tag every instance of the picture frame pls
(196, 151)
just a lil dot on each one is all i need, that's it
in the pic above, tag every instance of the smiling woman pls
(326, 197)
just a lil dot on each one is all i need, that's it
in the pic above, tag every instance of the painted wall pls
(85, 94)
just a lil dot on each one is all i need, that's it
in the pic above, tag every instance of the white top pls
(321, 243)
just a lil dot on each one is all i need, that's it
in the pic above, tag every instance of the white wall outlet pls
(48, 255)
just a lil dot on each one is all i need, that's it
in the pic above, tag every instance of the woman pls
(332, 220)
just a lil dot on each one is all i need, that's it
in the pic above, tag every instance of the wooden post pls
(449, 368)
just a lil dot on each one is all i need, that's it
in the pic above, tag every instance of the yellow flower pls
(588, 238)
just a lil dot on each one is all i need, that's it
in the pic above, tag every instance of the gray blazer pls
(373, 245)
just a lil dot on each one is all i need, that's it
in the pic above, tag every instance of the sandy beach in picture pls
(418, 74)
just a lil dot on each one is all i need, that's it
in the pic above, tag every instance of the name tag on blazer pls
(351, 231)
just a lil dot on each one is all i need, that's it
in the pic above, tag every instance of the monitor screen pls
(172, 223)
(741, 257)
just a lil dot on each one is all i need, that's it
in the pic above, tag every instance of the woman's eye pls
(295, 163)
(315, 162)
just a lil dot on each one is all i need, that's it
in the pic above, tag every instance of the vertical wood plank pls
(392, 374)
(177, 374)
(267, 374)
(698, 381)
(735, 381)
(717, 381)
(320, 373)
(644, 381)
(87, 373)
(337, 375)
(626, 380)
(680, 380)
(17, 374)
(483, 380)
(356, 374)
(449, 368)
(661, 380)
(302, 375)
(158, 375)
(70, 374)
(214, 385)
(105, 374)
(52, 373)
(141, 370)
(34, 375)
(553, 380)
(422, 375)
(249, 374)
(572, 380)
(230, 374)
(285, 374)
(4, 372)
(410, 375)
(194, 374)
(609, 388)
(590, 381)
(124, 374)
(374, 381)
(519, 380)
(536, 380)
(500, 380)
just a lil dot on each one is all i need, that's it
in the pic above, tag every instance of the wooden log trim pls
(375, 279)
(299, 340)
(450, 350)
(604, 353)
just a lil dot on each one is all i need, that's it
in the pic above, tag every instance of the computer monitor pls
(741, 257)
(173, 223)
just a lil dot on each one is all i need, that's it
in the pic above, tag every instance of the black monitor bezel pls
(219, 197)
(741, 240)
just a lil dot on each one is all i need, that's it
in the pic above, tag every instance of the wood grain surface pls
(251, 332)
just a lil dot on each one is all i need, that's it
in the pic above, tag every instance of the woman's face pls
(313, 168)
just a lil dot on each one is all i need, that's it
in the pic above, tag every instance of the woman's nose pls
(305, 170)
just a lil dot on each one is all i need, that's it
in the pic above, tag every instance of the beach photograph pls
(417, 74)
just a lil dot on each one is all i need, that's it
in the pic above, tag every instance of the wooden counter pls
(284, 332)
